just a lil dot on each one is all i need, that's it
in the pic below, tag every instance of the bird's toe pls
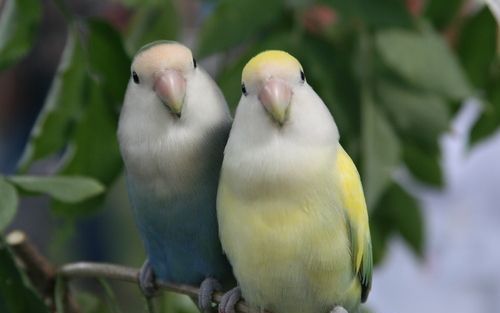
(229, 299)
(147, 280)
(207, 289)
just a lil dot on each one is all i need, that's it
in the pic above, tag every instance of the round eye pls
(194, 63)
(243, 89)
(135, 77)
(302, 76)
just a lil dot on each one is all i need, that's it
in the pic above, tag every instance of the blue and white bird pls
(173, 128)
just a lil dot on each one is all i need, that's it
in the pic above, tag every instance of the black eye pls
(135, 77)
(194, 63)
(302, 76)
(243, 89)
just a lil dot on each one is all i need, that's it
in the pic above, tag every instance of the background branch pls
(39, 270)
(43, 273)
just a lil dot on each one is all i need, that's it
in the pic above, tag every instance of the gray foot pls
(229, 300)
(147, 280)
(207, 289)
(338, 309)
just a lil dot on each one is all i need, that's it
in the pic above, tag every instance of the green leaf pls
(380, 231)
(424, 60)
(152, 23)
(423, 164)
(19, 23)
(62, 106)
(63, 188)
(418, 115)
(8, 203)
(141, 3)
(108, 63)
(89, 303)
(381, 13)
(401, 214)
(16, 294)
(235, 21)
(94, 148)
(441, 13)
(477, 46)
(108, 60)
(229, 80)
(486, 124)
(175, 302)
(407, 217)
(490, 118)
(381, 151)
(110, 296)
(328, 71)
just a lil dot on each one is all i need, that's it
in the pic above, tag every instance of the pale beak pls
(275, 95)
(170, 87)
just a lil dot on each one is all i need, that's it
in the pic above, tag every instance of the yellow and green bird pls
(291, 210)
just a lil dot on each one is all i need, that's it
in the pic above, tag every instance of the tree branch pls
(45, 272)
(37, 267)
(40, 271)
(128, 274)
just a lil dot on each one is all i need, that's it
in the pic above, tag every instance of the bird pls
(292, 215)
(173, 126)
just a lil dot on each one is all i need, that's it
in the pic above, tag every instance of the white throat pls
(166, 152)
(260, 153)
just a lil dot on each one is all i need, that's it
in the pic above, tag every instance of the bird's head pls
(163, 67)
(271, 77)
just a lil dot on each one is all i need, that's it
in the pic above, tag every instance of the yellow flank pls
(354, 202)
(291, 252)
(267, 59)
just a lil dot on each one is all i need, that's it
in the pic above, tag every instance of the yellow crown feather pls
(266, 59)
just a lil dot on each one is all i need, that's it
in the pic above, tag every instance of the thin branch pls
(38, 268)
(43, 274)
(129, 274)
(40, 271)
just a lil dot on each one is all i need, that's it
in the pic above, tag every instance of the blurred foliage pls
(396, 213)
(391, 72)
(63, 188)
(18, 24)
(16, 293)
(8, 205)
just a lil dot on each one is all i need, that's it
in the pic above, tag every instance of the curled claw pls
(229, 300)
(147, 280)
(207, 289)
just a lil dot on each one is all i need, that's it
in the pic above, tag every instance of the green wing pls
(357, 220)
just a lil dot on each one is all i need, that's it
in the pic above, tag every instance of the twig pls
(128, 274)
(39, 270)
(43, 274)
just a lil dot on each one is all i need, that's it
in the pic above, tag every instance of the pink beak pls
(170, 87)
(276, 95)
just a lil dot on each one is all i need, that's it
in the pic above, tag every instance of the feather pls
(357, 219)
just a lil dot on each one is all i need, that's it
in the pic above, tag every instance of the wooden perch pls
(128, 274)
(43, 274)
